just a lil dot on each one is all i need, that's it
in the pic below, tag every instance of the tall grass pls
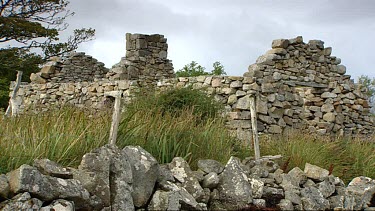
(347, 158)
(170, 124)
(178, 123)
(63, 135)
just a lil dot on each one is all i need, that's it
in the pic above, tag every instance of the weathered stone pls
(280, 43)
(256, 187)
(259, 202)
(275, 129)
(4, 187)
(47, 188)
(285, 205)
(274, 195)
(234, 188)
(261, 106)
(327, 188)
(360, 191)
(328, 95)
(336, 202)
(165, 174)
(313, 199)
(209, 166)
(145, 170)
(59, 205)
(51, 168)
(268, 88)
(315, 172)
(22, 201)
(329, 117)
(172, 197)
(327, 108)
(211, 180)
(243, 103)
(36, 78)
(341, 69)
(46, 71)
(298, 177)
(182, 172)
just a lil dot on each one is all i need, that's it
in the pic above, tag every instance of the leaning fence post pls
(12, 102)
(254, 127)
(115, 116)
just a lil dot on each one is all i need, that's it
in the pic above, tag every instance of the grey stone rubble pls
(77, 67)
(109, 178)
(297, 86)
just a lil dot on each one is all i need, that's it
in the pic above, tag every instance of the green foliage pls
(177, 100)
(194, 69)
(190, 70)
(37, 24)
(218, 69)
(27, 26)
(11, 60)
(369, 83)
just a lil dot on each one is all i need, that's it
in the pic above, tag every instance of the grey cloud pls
(233, 32)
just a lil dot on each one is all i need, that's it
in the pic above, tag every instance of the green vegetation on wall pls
(194, 69)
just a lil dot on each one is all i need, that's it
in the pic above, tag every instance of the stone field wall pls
(110, 178)
(296, 85)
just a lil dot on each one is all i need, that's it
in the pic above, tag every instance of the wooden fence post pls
(12, 101)
(254, 127)
(115, 116)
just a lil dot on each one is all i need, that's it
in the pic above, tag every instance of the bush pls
(176, 101)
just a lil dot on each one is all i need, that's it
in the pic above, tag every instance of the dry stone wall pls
(293, 70)
(296, 85)
(110, 178)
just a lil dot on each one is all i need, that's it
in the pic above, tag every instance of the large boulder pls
(313, 199)
(46, 188)
(234, 188)
(359, 192)
(106, 173)
(145, 170)
(315, 172)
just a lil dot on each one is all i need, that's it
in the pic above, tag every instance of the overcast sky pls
(234, 32)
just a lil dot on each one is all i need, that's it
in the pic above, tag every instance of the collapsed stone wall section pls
(76, 67)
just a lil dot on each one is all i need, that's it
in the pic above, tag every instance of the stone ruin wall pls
(145, 60)
(77, 67)
(297, 85)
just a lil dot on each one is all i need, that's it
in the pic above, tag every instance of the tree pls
(369, 84)
(29, 26)
(218, 69)
(194, 69)
(190, 70)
